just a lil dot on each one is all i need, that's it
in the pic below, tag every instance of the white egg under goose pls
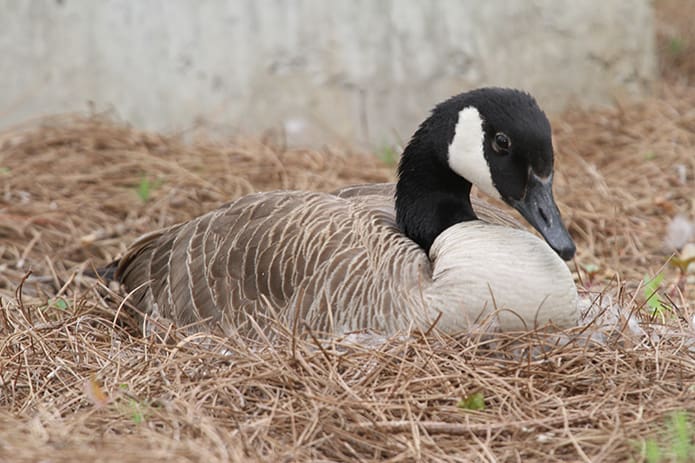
(382, 257)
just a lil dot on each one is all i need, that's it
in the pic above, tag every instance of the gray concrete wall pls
(342, 70)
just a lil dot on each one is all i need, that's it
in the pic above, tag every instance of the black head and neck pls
(497, 139)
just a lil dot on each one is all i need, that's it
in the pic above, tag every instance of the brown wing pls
(248, 258)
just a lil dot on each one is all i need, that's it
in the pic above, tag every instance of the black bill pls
(539, 209)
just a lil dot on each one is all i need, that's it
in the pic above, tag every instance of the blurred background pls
(362, 73)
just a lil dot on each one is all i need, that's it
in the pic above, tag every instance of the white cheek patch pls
(466, 156)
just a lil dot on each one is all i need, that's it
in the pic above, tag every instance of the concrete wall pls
(341, 70)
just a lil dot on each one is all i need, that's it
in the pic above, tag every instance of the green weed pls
(676, 45)
(654, 301)
(146, 187)
(676, 442)
(60, 304)
(130, 406)
(137, 411)
(388, 155)
(475, 401)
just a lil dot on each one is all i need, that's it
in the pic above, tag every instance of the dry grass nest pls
(79, 381)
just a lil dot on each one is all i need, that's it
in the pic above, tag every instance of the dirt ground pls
(79, 381)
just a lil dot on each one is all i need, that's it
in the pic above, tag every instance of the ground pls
(79, 381)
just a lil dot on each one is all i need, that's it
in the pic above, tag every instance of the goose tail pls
(108, 271)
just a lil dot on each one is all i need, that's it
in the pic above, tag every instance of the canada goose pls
(355, 259)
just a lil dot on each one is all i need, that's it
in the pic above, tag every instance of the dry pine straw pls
(78, 382)
(675, 40)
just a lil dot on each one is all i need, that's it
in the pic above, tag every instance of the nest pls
(79, 380)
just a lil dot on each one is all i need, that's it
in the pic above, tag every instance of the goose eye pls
(501, 143)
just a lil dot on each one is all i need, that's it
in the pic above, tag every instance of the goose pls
(381, 257)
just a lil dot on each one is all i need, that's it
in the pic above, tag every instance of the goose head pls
(497, 139)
